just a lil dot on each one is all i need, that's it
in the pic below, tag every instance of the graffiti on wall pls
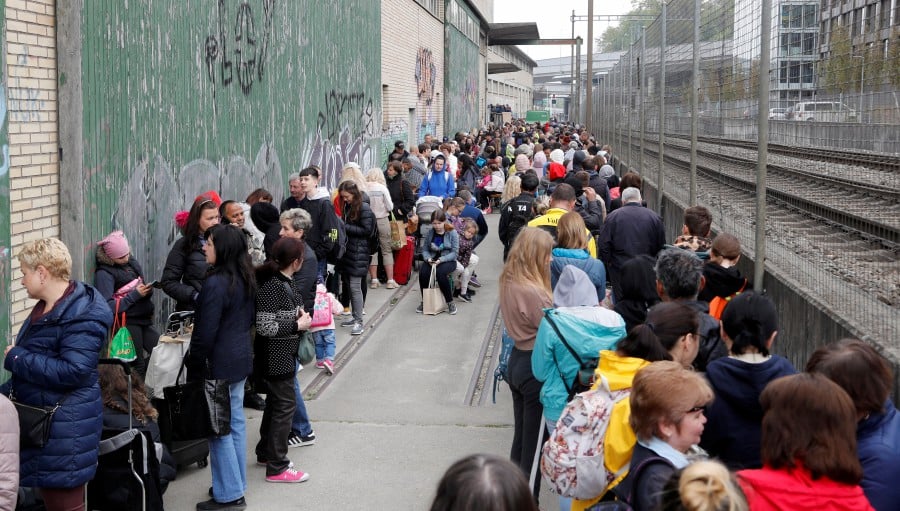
(155, 191)
(246, 60)
(335, 141)
(25, 103)
(426, 76)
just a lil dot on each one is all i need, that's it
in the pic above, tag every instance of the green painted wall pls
(180, 97)
(5, 245)
(460, 81)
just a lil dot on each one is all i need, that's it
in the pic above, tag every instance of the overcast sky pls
(554, 20)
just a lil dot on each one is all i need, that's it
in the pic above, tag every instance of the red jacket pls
(768, 489)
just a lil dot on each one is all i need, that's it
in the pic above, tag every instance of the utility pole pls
(695, 99)
(588, 99)
(660, 179)
(762, 118)
(572, 72)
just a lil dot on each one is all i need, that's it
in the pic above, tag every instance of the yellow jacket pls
(619, 441)
(550, 219)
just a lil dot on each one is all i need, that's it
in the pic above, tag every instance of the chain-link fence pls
(830, 138)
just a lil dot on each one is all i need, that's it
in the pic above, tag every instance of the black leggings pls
(443, 277)
(528, 413)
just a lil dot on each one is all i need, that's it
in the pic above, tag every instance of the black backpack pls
(335, 233)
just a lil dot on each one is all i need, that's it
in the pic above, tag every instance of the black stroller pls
(127, 469)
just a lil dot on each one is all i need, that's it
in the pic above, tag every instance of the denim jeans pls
(228, 453)
(321, 268)
(324, 344)
(300, 425)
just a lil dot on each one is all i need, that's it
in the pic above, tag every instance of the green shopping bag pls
(121, 345)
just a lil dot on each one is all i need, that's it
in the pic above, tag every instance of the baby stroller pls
(162, 371)
(425, 207)
(127, 468)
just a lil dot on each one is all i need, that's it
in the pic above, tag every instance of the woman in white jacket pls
(492, 182)
(9, 454)
(381, 204)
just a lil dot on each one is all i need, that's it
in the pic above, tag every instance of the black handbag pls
(34, 421)
(198, 409)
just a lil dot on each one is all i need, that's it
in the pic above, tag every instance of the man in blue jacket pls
(439, 181)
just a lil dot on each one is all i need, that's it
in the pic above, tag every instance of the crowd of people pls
(699, 413)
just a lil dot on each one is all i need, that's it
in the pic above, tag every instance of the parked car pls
(777, 114)
(821, 111)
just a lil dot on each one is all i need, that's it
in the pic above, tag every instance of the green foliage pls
(892, 65)
(837, 68)
(716, 23)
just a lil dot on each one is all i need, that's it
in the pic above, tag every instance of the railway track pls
(873, 212)
(887, 162)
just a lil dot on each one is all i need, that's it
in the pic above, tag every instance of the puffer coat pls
(355, 262)
(184, 274)
(55, 361)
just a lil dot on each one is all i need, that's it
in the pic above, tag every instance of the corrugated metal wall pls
(167, 99)
(461, 80)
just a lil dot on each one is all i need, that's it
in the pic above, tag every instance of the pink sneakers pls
(320, 364)
(288, 476)
(328, 365)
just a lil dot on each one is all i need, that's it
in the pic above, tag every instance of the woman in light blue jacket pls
(572, 250)
(586, 327)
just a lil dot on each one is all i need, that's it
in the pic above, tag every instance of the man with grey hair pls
(296, 193)
(629, 231)
(679, 278)
(413, 172)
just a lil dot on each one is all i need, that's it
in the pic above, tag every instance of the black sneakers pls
(211, 505)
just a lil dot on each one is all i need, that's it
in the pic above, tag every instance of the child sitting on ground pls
(695, 231)
(466, 259)
(723, 279)
(327, 306)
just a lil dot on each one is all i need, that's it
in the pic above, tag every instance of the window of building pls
(808, 72)
(809, 16)
(885, 13)
(432, 6)
(810, 44)
(870, 18)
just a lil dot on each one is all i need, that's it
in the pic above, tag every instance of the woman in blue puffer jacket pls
(572, 249)
(54, 361)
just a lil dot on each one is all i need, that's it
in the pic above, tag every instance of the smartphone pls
(155, 284)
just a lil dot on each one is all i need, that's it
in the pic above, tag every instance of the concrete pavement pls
(394, 416)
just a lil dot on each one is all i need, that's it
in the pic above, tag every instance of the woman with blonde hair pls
(381, 204)
(572, 249)
(54, 363)
(350, 172)
(703, 486)
(512, 189)
(524, 293)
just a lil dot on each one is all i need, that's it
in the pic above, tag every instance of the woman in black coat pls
(186, 264)
(401, 193)
(221, 350)
(359, 222)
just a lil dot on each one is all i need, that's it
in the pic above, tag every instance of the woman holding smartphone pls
(120, 280)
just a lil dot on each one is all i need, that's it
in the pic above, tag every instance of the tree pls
(837, 70)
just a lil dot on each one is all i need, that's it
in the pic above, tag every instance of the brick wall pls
(410, 34)
(33, 145)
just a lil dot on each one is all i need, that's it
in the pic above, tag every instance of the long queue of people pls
(664, 342)
(685, 370)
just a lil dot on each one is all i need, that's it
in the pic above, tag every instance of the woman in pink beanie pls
(120, 279)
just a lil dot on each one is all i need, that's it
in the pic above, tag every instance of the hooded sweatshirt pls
(769, 489)
(721, 281)
(734, 419)
(586, 327)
